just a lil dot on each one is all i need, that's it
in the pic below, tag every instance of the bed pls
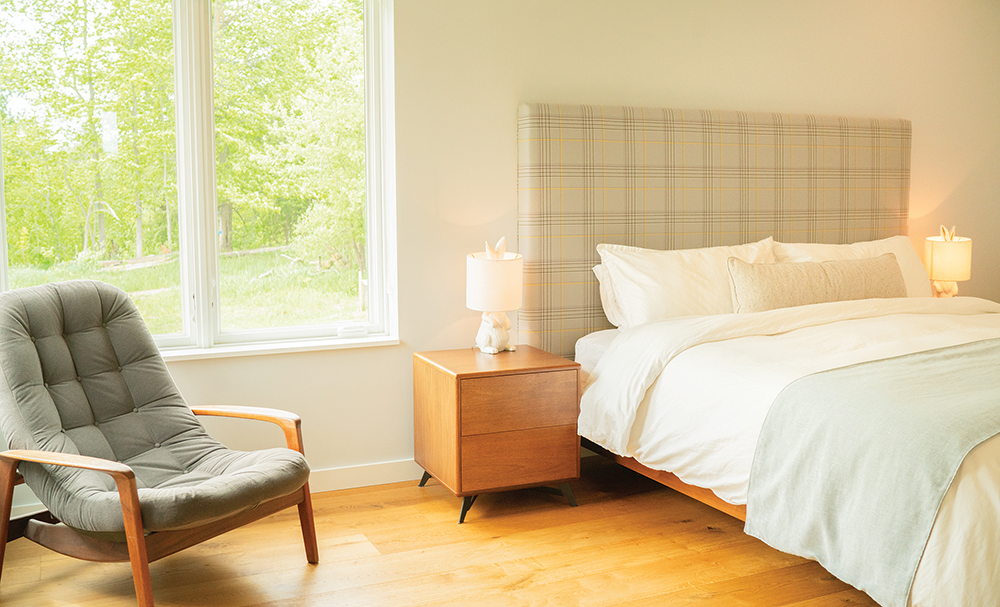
(684, 397)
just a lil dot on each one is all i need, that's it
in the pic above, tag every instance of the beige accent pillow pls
(758, 287)
(917, 282)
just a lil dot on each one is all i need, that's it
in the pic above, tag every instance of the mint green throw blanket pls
(852, 464)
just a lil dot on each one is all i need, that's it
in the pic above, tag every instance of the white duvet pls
(690, 395)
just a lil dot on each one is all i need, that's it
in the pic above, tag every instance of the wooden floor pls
(630, 542)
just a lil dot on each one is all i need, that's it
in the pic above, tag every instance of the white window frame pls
(4, 284)
(196, 193)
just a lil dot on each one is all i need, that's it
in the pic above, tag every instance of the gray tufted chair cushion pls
(81, 374)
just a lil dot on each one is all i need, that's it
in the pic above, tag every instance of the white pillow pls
(652, 285)
(918, 284)
(758, 287)
(608, 299)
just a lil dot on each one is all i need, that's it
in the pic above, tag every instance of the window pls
(226, 163)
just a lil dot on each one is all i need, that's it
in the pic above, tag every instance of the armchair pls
(103, 437)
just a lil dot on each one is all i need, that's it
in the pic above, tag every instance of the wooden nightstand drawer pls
(523, 457)
(516, 402)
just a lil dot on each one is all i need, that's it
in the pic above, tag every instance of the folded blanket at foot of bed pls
(852, 464)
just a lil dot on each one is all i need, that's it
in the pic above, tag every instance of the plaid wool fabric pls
(678, 179)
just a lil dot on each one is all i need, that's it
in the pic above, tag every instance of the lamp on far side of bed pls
(948, 259)
(493, 287)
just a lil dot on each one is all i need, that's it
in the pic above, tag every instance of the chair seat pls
(226, 483)
(223, 483)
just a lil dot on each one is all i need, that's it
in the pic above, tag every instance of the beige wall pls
(463, 66)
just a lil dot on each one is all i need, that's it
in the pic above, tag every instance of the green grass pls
(270, 290)
(258, 290)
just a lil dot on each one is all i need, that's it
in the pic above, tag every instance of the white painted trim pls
(196, 203)
(364, 475)
(387, 166)
(276, 347)
(24, 502)
(3, 224)
(25, 509)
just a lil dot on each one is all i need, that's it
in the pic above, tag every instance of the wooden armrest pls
(290, 423)
(128, 491)
(115, 469)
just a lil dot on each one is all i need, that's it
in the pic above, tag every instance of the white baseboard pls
(364, 475)
(24, 509)
(25, 502)
(329, 479)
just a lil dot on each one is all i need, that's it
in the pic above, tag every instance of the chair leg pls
(136, 541)
(308, 525)
(8, 470)
(140, 572)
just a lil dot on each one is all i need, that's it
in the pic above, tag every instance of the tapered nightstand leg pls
(566, 491)
(467, 502)
(563, 490)
(425, 478)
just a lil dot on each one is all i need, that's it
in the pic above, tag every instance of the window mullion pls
(196, 166)
(3, 223)
(380, 165)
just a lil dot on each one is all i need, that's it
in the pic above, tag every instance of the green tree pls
(88, 143)
(329, 141)
(81, 80)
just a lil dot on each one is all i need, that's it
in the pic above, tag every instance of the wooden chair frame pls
(140, 549)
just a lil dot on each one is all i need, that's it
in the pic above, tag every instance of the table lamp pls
(948, 259)
(493, 287)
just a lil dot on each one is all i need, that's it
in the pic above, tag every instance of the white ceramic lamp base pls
(944, 288)
(493, 333)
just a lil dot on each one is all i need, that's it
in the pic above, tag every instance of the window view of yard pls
(259, 289)
(89, 156)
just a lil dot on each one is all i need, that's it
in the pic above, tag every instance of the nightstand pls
(493, 422)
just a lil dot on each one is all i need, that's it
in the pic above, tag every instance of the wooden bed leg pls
(308, 524)
(8, 470)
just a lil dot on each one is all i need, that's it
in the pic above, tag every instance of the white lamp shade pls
(948, 260)
(493, 285)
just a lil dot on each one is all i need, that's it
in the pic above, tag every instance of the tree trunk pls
(97, 203)
(288, 225)
(48, 209)
(84, 209)
(138, 170)
(166, 205)
(359, 253)
(138, 227)
(225, 226)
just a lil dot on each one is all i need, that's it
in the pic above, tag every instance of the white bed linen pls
(590, 348)
(700, 417)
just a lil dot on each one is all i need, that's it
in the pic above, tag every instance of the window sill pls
(276, 347)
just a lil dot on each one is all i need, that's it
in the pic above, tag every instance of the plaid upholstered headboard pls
(677, 179)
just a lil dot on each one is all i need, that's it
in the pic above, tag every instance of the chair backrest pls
(81, 374)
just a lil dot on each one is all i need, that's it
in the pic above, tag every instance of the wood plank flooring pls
(630, 542)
